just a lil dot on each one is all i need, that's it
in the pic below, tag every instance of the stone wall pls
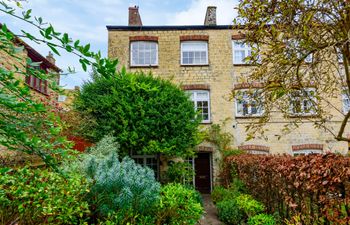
(221, 76)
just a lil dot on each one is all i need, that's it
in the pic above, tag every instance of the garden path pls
(211, 216)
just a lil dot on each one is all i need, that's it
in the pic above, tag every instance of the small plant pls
(178, 205)
(220, 193)
(118, 186)
(249, 205)
(230, 213)
(262, 219)
(40, 196)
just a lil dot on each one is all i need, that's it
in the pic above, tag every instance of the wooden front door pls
(202, 169)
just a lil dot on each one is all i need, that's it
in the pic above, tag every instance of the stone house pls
(208, 62)
(39, 88)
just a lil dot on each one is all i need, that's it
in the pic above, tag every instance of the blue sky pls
(86, 20)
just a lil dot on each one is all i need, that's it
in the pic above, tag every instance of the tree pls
(147, 115)
(302, 44)
(26, 124)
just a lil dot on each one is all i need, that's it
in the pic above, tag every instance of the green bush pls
(238, 186)
(122, 219)
(220, 193)
(40, 196)
(147, 115)
(249, 205)
(261, 219)
(179, 172)
(230, 213)
(122, 187)
(178, 205)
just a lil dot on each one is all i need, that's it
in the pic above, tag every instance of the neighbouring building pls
(39, 88)
(208, 62)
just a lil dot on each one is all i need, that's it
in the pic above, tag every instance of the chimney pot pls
(50, 58)
(210, 16)
(134, 16)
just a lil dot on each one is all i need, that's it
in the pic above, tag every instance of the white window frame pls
(260, 111)
(196, 99)
(191, 162)
(194, 42)
(303, 111)
(243, 47)
(132, 52)
(346, 101)
(307, 152)
(257, 152)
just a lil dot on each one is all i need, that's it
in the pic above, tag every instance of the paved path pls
(210, 217)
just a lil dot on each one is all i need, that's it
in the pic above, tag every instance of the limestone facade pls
(220, 76)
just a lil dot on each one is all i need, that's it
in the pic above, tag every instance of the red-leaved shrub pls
(316, 187)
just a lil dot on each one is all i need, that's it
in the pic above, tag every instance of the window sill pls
(194, 65)
(243, 64)
(206, 123)
(249, 117)
(306, 116)
(145, 66)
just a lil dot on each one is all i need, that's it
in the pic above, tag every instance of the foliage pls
(179, 172)
(229, 212)
(249, 205)
(220, 194)
(40, 196)
(232, 152)
(312, 187)
(178, 205)
(301, 44)
(117, 186)
(26, 124)
(261, 219)
(120, 218)
(142, 112)
(220, 138)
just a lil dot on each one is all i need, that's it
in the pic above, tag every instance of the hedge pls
(312, 188)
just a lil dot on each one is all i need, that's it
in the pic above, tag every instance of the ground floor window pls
(190, 161)
(150, 161)
(307, 152)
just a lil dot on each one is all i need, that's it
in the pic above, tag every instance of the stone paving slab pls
(210, 217)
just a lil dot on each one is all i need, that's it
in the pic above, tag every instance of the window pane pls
(239, 56)
(144, 53)
(194, 52)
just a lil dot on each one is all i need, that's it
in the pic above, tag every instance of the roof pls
(171, 27)
(34, 55)
(37, 57)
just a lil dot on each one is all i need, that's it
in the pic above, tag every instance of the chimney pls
(210, 16)
(134, 16)
(50, 58)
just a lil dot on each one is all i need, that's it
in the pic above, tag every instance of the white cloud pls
(195, 14)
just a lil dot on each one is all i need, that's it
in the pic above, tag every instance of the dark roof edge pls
(34, 52)
(173, 27)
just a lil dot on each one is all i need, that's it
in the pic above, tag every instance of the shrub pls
(312, 187)
(261, 219)
(178, 205)
(118, 186)
(40, 196)
(179, 172)
(220, 193)
(249, 205)
(229, 212)
(147, 115)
